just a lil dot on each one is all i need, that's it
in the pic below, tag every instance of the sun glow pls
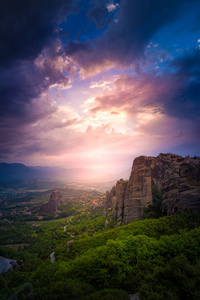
(144, 118)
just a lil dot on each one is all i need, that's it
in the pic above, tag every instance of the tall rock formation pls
(55, 200)
(176, 177)
(114, 204)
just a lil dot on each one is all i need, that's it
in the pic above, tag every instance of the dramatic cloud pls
(95, 83)
(174, 93)
(26, 27)
(127, 36)
(31, 60)
(23, 83)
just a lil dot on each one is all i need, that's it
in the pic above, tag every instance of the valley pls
(100, 150)
(18, 198)
(72, 242)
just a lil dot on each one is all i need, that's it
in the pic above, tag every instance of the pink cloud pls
(142, 114)
(137, 94)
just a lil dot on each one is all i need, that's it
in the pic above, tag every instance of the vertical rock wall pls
(176, 177)
(114, 205)
(55, 201)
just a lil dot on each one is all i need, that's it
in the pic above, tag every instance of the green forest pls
(153, 258)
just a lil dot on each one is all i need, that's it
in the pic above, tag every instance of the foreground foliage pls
(155, 258)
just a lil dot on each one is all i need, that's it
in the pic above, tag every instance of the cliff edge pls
(177, 177)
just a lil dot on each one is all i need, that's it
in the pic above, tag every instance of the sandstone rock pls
(55, 200)
(176, 177)
(184, 192)
(115, 200)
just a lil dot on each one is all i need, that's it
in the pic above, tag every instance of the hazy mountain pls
(16, 171)
(19, 172)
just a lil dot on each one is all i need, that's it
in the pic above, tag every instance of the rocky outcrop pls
(114, 204)
(55, 200)
(176, 177)
(181, 186)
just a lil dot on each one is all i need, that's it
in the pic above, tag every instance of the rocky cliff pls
(114, 204)
(176, 177)
(54, 202)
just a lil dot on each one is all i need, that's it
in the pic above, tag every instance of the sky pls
(93, 84)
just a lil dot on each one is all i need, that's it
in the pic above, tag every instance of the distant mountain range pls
(19, 172)
(16, 171)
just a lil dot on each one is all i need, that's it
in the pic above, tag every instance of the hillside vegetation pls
(155, 258)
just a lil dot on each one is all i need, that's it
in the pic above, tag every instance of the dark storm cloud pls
(131, 30)
(23, 82)
(189, 63)
(31, 61)
(186, 103)
(26, 29)
(27, 26)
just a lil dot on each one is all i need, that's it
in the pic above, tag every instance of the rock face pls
(176, 177)
(115, 201)
(55, 200)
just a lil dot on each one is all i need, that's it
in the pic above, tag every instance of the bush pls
(66, 289)
(176, 280)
